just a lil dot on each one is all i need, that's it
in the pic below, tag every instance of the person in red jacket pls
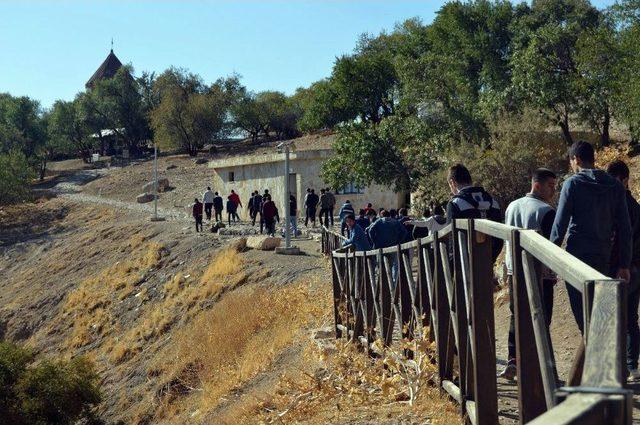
(236, 200)
(197, 215)
(270, 215)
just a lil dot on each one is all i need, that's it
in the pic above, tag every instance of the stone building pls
(265, 170)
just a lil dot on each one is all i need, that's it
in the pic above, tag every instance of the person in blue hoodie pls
(357, 237)
(592, 208)
(345, 210)
(387, 231)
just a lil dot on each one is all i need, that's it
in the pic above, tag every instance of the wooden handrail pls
(378, 297)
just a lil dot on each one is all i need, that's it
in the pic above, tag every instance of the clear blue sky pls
(48, 49)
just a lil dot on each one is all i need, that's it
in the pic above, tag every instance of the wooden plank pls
(604, 364)
(473, 414)
(541, 333)
(444, 348)
(370, 311)
(483, 330)
(492, 228)
(406, 327)
(461, 316)
(337, 296)
(386, 302)
(577, 409)
(531, 397)
(427, 254)
(444, 232)
(453, 390)
(375, 291)
(565, 265)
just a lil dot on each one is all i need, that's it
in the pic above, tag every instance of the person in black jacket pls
(620, 171)
(218, 206)
(471, 201)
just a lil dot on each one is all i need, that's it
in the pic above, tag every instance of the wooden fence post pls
(386, 301)
(531, 398)
(444, 334)
(483, 328)
(460, 311)
(337, 274)
(406, 324)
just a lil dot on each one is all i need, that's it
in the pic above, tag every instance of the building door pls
(293, 186)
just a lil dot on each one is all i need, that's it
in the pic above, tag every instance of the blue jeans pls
(293, 223)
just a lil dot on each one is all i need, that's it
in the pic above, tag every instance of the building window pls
(232, 176)
(350, 189)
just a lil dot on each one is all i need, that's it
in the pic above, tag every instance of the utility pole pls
(287, 201)
(287, 249)
(155, 185)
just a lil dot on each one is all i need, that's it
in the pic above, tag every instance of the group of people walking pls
(327, 203)
(212, 203)
(596, 213)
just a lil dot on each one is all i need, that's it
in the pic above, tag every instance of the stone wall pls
(266, 172)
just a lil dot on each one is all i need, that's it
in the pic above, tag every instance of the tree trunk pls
(605, 138)
(566, 134)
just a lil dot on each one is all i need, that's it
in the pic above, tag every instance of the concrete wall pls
(266, 172)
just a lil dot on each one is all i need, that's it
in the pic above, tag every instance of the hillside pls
(183, 327)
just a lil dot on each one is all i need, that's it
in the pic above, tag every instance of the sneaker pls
(509, 372)
(634, 375)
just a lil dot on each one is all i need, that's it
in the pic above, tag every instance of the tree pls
(117, 102)
(544, 65)
(249, 116)
(68, 129)
(190, 114)
(280, 114)
(320, 107)
(15, 175)
(598, 60)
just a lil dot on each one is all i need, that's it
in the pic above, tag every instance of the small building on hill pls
(264, 169)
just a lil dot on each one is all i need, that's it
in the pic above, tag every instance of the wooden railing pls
(444, 283)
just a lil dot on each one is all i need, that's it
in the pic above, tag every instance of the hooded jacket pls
(592, 208)
(358, 239)
(475, 202)
(386, 232)
(345, 210)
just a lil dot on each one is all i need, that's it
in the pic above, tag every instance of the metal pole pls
(155, 181)
(287, 224)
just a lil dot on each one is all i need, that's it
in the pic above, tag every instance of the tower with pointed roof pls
(106, 70)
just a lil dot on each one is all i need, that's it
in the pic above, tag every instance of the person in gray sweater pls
(533, 212)
(592, 209)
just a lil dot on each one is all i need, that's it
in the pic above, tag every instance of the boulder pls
(144, 197)
(199, 161)
(163, 185)
(240, 244)
(263, 243)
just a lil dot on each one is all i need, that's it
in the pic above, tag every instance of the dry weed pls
(351, 385)
(242, 335)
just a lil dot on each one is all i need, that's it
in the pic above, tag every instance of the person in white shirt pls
(207, 199)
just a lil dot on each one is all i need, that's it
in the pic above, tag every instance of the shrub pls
(15, 174)
(503, 165)
(50, 392)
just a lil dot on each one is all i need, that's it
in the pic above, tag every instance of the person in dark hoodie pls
(362, 220)
(231, 209)
(197, 214)
(218, 206)
(592, 208)
(470, 201)
(620, 171)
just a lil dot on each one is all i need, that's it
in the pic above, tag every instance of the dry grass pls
(243, 335)
(89, 306)
(351, 386)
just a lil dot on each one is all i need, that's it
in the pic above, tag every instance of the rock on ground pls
(264, 243)
(144, 197)
(163, 185)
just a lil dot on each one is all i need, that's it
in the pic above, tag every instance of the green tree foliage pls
(15, 175)
(190, 113)
(320, 107)
(68, 129)
(116, 104)
(49, 392)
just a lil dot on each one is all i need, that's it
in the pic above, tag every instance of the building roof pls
(317, 146)
(106, 70)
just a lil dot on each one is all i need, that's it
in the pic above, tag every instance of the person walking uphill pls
(470, 201)
(356, 236)
(325, 207)
(311, 204)
(197, 215)
(592, 209)
(533, 212)
(332, 205)
(232, 207)
(207, 198)
(233, 196)
(620, 171)
(218, 206)
(345, 210)
(270, 215)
